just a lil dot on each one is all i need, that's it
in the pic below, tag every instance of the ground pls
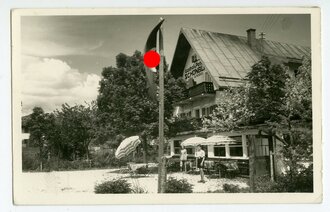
(84, 181)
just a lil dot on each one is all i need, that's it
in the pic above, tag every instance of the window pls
(189, 114)
(177, 146)
(194, 58)
(236, 149)
(212, 108)
(203, 111)
(190, 150)
(197, 115)
(262, 147)
(220, 151)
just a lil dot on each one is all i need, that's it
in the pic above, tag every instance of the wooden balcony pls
(200, 89)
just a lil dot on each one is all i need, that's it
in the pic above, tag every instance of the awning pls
(219, 139)
(213, 140)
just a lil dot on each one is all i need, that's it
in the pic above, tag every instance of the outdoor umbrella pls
(127, 146)
(219, 139)
(194, 141)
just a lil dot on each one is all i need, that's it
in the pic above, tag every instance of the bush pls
(263, 184)
(231, 188)
(294, 181)
(174, 185)
(115, 186)
(137, 189)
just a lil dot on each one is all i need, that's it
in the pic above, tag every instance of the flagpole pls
(161, 169)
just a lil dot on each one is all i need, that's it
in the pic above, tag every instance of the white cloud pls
(46, 48)
(49, 83)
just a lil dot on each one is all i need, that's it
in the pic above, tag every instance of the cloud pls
(49, 83)
(47, 48)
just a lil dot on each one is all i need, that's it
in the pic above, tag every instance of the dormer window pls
(194, 58)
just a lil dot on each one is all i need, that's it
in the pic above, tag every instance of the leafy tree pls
(231, 111)
(296, 124)
(282, 103)
(124, 107)
(299, 95)
(266, 93)
(38, 125)
(183, 124)
(76, 131)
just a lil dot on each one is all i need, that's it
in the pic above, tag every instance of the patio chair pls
(136, 169)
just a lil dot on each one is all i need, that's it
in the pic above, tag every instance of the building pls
(210, 62)
(25, 134)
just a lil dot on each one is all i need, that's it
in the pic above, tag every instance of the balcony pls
(200, 89)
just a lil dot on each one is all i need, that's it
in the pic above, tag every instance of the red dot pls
(151, 59)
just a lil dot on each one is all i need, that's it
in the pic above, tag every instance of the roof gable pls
(228, 58)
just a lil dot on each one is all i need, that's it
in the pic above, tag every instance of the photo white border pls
(225, 198)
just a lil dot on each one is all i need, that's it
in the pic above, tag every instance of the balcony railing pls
(200, 89)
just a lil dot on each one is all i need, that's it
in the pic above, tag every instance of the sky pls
(63, 56)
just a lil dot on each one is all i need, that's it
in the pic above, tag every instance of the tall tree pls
(231, 112)
(37, 125)
(266, 94)
(76, 128)
(124, 107)
(296, 124)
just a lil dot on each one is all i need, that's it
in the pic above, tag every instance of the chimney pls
(251, 38)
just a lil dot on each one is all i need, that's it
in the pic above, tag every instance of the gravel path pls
(84, 181)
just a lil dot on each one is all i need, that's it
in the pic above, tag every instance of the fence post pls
(252, 172)
(271, 166)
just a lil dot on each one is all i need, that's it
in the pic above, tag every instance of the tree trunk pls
(87, 151)
(41, 154)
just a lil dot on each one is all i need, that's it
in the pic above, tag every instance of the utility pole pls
(252, 158)
(162, 160)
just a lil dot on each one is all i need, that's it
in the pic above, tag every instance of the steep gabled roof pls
(228, 58)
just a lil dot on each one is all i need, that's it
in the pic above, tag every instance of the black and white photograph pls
(193, 105)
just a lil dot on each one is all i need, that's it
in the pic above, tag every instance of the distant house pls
(210, 62)
(25, 135)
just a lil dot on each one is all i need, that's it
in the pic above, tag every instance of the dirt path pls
(84, 181)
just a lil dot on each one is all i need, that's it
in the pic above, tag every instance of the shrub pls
(174, 185)
(294, 181)
(115, 186)
(263, 184)
(231, 188)
(137, 189)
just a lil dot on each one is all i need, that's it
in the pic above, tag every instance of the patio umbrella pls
(219, 139)
(127, 146)
(194, 141)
